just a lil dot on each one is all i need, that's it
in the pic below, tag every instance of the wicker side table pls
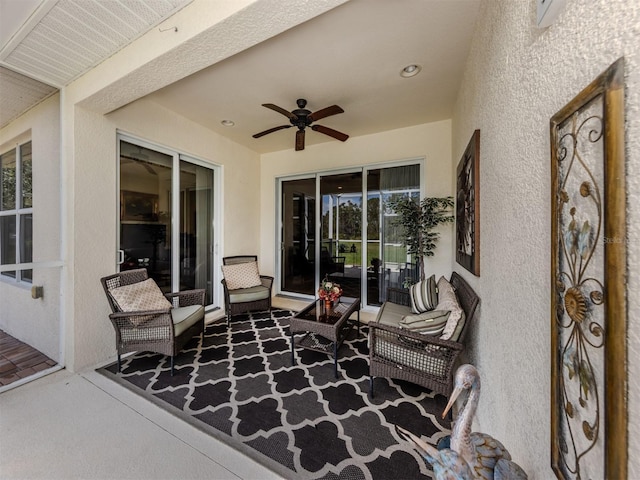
(323, 331)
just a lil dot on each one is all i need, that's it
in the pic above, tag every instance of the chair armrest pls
(186, 298)
(141, 319)
(267, 281)
(398, 296)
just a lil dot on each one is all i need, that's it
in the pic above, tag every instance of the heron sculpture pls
(481, 451)
(471, 456)
(446, 464)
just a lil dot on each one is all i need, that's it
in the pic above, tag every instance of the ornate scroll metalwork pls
(468, 207)
(588, 326)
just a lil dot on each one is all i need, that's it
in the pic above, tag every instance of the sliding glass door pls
(167, 217)
(298, 252)
(145, 212)
(196, 228)
(341, 227)
(359, 245)
(387, 260)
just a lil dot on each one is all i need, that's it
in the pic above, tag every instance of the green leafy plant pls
(418, 221)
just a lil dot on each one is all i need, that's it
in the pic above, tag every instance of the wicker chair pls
(246, 299)
(159, 331)
(425, 360)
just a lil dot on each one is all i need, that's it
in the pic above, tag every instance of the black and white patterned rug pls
(300, 421)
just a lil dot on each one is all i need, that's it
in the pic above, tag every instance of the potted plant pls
(418, 221)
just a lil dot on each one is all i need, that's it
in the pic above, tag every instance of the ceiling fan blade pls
(148, 168)
(300, 140)
(281, 110)
(274, 129)
(331, 132)
(325, 112)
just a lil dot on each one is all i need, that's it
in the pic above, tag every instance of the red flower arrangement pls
(329, 290)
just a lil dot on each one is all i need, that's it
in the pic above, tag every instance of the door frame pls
(420, 161)
(177, 155)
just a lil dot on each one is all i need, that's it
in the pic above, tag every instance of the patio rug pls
(300, 421)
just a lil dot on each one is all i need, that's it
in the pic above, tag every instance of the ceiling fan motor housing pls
(302, 121)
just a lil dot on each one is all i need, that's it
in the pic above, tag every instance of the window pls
(16, 210)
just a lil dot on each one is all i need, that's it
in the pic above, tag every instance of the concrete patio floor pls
(84, 426)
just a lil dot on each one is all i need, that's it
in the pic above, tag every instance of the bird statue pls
(446, 464)
(464, 455)
(481, 452)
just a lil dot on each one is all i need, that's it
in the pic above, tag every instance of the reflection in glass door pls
(341, 247)
(387, 260)
(167, 218)
(196, 234)
(145, 211)
(365, 262)
(298, 236)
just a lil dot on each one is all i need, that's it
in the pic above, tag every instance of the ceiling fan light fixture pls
(410, 70)
(228, 123)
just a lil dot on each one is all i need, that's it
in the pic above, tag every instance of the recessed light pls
(410, 70)
(228, 123)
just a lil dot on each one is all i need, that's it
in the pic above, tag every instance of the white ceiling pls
(48, 43)
(350, 56)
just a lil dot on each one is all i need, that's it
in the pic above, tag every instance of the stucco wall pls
(95, 200)
(37, 321)
(516, 78)
(429, 141)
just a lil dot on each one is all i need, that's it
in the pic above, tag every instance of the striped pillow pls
(424, 295)
(428, 323)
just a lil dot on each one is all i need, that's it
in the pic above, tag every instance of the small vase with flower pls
(329, 292)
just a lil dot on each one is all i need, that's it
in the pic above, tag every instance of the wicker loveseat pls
(422, 359)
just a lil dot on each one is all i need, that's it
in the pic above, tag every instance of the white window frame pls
(18, 212)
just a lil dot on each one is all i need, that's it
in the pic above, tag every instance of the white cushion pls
(428, 323)
(447, 300)
(424, 295)
(241, 275)
(139, 297)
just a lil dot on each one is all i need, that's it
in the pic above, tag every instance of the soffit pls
(62, 39)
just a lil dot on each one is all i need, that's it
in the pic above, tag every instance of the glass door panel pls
(145, 211)
(298, 236)
(387, 262)
(196, 228)
(341, 231)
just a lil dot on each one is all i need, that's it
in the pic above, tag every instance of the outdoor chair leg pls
(371, 386)
(172, 357)
(119, 364)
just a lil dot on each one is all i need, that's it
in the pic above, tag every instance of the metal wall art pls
(588, 269)
(468, 207)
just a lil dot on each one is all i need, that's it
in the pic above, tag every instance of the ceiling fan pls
(303, 118)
